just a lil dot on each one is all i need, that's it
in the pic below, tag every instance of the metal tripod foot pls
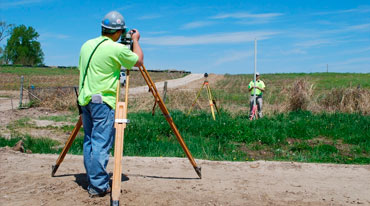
(115, 203)
(54, 169)
(198, 170)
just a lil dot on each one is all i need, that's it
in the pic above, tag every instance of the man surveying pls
(99, 64)
(256, 93)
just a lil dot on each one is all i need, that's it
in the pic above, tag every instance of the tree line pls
(21, 47)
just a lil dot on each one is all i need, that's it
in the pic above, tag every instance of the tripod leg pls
(211, 102)
(153, 109)
(67, 146)
(118, 151)
(120, 125)
(198, 94)
(169, 119)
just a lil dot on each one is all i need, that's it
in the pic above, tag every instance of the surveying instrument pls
(211, 99)
(120, 125)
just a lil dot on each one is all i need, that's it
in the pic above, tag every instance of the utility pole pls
(327, 68)
(255, 70)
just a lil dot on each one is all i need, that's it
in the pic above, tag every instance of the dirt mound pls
(25, 180)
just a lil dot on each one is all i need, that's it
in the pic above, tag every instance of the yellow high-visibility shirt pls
(259, 84)
(104, 69)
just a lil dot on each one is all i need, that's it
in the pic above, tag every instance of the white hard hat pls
(257, 73)
(113, 20)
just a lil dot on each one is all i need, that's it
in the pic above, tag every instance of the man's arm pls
(136, 48)
(250, 87)
(262, 88)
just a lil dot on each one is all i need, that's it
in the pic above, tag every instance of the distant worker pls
(260, 88)
(100, 62)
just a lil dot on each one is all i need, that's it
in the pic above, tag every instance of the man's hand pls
(135, 35)
(136, 47)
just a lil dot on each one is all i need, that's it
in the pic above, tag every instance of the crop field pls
(62, 77)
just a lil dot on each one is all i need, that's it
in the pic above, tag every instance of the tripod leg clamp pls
(167, 115)
(121, 121)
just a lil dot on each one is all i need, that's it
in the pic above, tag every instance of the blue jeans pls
(98, 124)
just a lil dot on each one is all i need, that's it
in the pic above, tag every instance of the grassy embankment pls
(295, 136)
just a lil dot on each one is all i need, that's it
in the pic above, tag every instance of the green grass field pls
(295, 136)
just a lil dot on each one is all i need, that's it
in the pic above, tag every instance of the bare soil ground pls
(25, 178)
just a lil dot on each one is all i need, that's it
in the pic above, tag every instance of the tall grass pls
(347, 100)
(300, 95)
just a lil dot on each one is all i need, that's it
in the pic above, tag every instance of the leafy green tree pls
(23, 48)
(4, 32)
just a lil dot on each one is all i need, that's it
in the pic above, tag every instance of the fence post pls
(164, 91)
(21, 92)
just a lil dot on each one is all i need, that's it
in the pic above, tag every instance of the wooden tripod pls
(120, 125)
(212, 101)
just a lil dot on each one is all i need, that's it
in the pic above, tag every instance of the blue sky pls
(211, 36)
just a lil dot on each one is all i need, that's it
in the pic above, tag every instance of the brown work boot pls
(93, 193)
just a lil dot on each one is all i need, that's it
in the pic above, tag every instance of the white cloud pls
(14, 3)
(147, 17)
(356, 10)
(293, 51)
(312, 43)
(359, 50)
(240, 15)
(358, 27)
(48, 35)
(232, 57)
(253, 21)
(353, 61)
(197, 24)
(352, 28)
(156, 32)
(218, 38)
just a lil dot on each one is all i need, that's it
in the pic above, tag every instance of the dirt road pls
(171, 84)
(25, 180)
